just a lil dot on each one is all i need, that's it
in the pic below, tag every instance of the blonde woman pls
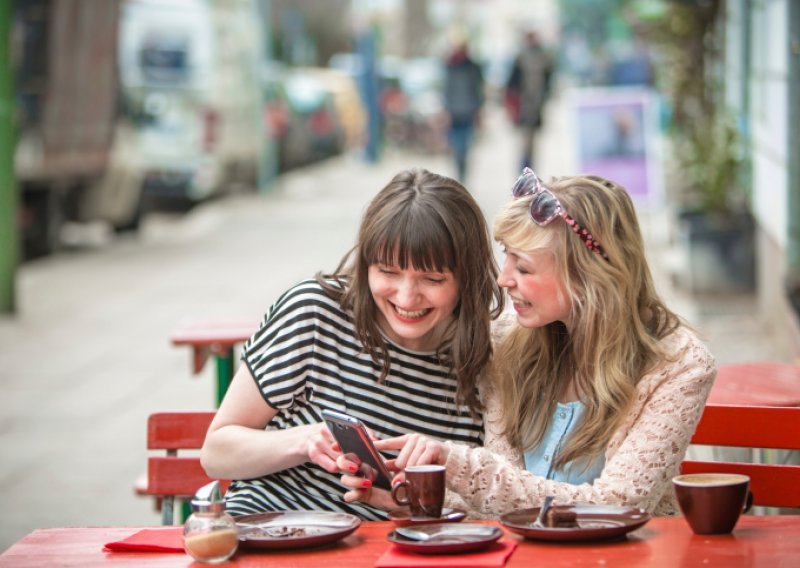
(597, 387)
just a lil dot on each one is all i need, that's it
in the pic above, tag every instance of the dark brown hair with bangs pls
(432, 223)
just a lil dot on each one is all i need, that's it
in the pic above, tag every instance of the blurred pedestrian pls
(527, 90)
(463, 99)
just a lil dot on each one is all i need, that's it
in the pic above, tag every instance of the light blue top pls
(539, 461)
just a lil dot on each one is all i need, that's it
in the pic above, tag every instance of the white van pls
(185, 97)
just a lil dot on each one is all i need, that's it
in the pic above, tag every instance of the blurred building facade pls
(762, 78)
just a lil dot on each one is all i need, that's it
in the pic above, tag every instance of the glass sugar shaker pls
(210, 534)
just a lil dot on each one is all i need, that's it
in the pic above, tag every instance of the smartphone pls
(352, 436)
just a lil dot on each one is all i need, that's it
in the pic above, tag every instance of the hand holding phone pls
(353, 438)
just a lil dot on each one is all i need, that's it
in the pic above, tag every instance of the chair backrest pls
(773, 427)
(178, 430)
(172, 475)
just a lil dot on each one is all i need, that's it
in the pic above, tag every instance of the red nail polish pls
(366, 483)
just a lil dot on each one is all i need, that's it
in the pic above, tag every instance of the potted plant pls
(716, 225)
(706, 169)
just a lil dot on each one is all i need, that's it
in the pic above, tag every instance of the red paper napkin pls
(169, 539)
(495, 556)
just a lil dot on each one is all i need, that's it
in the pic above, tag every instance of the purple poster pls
(617, 131)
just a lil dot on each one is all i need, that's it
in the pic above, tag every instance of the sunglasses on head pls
(545, 207)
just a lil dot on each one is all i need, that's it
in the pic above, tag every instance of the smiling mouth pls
(520, 303)
(410, 315)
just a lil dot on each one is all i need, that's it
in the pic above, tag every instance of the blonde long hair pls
(617, 320)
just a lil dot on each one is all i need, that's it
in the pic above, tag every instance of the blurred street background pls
(162, 160)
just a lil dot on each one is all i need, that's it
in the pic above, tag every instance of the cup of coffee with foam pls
(713, 502)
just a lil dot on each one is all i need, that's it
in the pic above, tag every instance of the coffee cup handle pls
(396, 490)
(748, 502)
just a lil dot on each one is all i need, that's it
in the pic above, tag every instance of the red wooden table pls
(762, 383)
(772, 541)
(217, 337)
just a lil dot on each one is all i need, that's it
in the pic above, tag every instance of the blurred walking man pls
(463, 99)
(526, 92)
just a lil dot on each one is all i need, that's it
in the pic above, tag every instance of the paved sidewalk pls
(88, 357)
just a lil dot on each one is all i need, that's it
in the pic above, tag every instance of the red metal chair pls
(773, 427)
(172, 475)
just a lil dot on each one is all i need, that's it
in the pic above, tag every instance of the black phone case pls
(352, 437)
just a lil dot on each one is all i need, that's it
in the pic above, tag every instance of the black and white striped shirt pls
(306, 357)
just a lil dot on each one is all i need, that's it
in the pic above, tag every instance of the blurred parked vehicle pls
(187, 72)
(165, 66)
(347, 100)
(412, 104)
(236, 89)
(70, 134)
(302, 116)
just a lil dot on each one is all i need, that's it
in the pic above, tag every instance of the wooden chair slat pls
(177, 430)
(749, 426)
(773, 485)
(178, 476)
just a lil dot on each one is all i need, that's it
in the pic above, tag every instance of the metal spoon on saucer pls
(539, 522)
(454, 531)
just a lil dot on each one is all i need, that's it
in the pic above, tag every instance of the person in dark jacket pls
(527, 91)
(463, 99)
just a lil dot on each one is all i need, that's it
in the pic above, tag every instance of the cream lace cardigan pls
(641, 459)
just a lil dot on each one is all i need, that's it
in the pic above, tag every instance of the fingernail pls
(353, 468)
(366, 483)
